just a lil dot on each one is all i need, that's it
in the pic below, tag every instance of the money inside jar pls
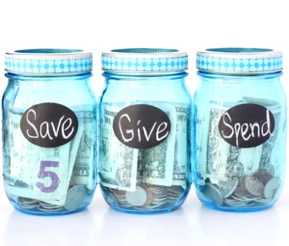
(146, 179)
(69, 171)
(235, 176)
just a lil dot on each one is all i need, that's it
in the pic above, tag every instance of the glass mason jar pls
(240, 126)
(145, 130)
(49, 131)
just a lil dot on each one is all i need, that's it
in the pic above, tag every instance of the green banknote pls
(182, 144)
(119, 162)
(156, 165)
(83, 148)
(36, 172)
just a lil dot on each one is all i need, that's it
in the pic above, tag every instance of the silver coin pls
(76, 197)
(137, 197)
(271, 188)
(235, 203)
(27, 203)
(264, 200)
(56, 209)
(263, 175)
(241, 190)
(211, 192)
(254, 186)
(227, 187)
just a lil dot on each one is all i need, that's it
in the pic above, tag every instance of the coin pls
(76, 197)
(118, 193)
(241, 190)
(150, 196)
(271, 187)
(211, 192)
(27, 203)
(175, 192)
(263, 176)
(227, 187)
(254, 186)
(138, 197)
(160, 193)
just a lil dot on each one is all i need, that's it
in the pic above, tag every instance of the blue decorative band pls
(239, 60)
(144, 60)
(48, 61)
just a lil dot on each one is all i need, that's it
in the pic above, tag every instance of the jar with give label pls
(145, 130)
(49, 131)
(240, 110)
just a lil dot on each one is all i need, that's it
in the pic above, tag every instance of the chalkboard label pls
(141, 126)
(49, 125)
(247, 125)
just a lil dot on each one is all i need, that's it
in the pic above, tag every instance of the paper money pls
(182, 145)
(34, 173)
(119, 162)
(42, 178)
(156, 165)
(84, 145)
(213, 162)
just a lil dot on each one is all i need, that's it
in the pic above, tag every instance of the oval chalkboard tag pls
(247, 125)
(141, 126)
(49, 124)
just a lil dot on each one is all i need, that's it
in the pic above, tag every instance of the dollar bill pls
(35, 172)
(213, 162)
(119, 162)
(223, 160)
(182, 145)
(156, 165)
(84, 148)
(267, 155)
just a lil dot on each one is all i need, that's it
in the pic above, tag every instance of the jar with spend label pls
(145, 132)
(240, 122)
(49, 131)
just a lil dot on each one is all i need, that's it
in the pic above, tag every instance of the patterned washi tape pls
(144, 60)
(239, 60)
(48, 61)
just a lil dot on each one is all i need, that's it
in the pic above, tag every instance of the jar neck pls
(240, 76)
(144, 76)
(34, 78)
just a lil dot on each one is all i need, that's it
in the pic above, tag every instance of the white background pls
(100, 25)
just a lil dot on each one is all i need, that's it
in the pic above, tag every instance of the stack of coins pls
(77, 196)
(245, 191)
(145, 197)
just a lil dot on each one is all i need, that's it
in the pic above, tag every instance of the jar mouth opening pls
(145, 50)
(239, 50)
(145, 60)
(48, 51)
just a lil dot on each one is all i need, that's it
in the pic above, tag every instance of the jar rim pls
(144, 60)
(48, 61)
(239, 60)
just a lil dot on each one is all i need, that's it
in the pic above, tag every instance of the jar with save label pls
(240, 122)
(49, 131)
(145, 132)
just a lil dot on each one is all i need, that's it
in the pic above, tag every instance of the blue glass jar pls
(145, 115)
(240, 110)
(49, 131)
